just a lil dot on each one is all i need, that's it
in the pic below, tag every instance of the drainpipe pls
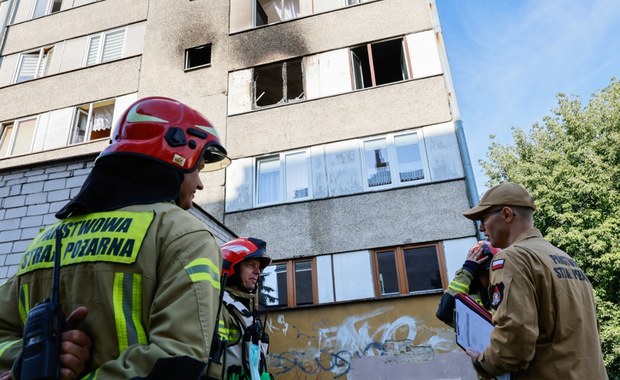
(8, 17)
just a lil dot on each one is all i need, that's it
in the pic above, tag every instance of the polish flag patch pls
(497, 264)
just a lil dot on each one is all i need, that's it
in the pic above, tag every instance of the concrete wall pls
(31, 195)
(398, 338)
(363, 221)
(72, 23)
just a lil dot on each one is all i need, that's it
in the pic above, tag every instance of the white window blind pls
(113, 45)
(28, 67)
(93, 50)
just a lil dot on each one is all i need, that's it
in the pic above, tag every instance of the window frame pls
(44, 55)
(284, 75)
(401, 270)
(48, 8)
(392, 160)
(405, 63)
(291, 296)
(282, 177)
(79, 109)
(101, 47)
(15, 124)
(195, 48)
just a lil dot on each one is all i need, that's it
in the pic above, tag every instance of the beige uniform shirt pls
(545, 318)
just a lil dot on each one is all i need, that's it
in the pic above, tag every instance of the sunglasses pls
(482, 218)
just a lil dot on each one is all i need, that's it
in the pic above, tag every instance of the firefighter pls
(244, 340)
(471, 279)
(544, 320)
(145, 268)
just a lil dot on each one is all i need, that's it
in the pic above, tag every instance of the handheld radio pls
(43, 329)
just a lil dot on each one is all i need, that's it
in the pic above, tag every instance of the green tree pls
(571, 165)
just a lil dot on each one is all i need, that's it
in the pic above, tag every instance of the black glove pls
(471, 267)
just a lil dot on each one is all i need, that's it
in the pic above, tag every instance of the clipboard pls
(473, 325)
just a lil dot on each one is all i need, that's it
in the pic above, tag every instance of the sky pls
(510, 58)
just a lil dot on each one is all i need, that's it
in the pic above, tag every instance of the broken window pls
(17, 137)
(198, 56)
(278, 83)
(379, 63)
(34, 64)
(92, 121)
(45, 7)
(106, 46)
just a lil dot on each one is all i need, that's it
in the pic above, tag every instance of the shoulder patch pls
(498, 295)
(497, 264)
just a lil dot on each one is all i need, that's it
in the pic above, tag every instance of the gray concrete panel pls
(69, 89)
(364, 221)
(73, 23)
(328, 31)
(411, 104)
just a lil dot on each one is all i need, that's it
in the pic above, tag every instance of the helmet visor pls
(215, 158)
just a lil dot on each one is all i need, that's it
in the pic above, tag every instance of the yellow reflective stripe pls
(92, 375)
(136, 312)
(229, 334)
(24, 302)
(459, 287)
(5, 345)
(127, 300)
(203, 269)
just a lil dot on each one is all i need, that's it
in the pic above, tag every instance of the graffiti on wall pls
(331, 348)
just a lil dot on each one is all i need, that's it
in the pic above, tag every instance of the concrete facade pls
(345, 167)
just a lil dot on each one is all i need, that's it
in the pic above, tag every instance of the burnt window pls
(278, 83)
(198, 56)
(379, 63)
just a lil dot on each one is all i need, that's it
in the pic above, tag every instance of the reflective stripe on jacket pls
(151, 310)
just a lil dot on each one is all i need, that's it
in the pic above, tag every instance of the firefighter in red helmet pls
(131, 253)
(244, 343)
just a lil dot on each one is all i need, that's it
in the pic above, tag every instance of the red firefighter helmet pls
(235, 251)
(168, 131)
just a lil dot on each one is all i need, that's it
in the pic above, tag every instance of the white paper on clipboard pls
(473, 326)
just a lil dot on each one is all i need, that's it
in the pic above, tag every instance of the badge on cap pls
(497, 264)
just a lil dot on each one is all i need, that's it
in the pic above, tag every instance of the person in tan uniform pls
(545, 324)
(146, 270)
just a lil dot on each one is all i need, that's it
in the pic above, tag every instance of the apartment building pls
(348, 154)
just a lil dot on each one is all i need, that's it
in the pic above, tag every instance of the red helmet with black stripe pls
(167, 131)
(235, 251)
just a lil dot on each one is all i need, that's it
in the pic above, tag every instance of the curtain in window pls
(23, 137)
(102, 117)
(268, 175)
(287, 9)
(7, 132)
(296, 171)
